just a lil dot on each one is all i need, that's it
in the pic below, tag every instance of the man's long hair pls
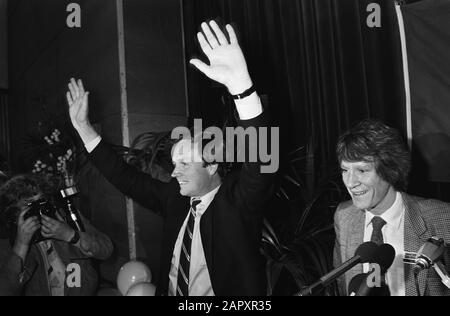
(373, 141)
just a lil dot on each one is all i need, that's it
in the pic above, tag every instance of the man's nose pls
(352, 180)
(175, 172)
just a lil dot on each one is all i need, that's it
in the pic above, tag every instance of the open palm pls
(227, 63)
(78, 101)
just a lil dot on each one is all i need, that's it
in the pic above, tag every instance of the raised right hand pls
(78, 100)
(227, 63)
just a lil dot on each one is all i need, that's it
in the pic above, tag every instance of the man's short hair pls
(373, 141)
(219, 150)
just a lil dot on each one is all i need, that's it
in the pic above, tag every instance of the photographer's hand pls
(56, 229)
(25, 231)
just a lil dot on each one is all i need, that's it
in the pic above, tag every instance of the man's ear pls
(212, 169)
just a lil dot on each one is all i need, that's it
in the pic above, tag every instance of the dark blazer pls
(423, 219)
(230, 227)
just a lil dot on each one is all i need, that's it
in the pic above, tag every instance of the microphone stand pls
(363, 254)
(68, 193)
(327, 279)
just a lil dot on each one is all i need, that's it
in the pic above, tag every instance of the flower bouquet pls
(55, 156)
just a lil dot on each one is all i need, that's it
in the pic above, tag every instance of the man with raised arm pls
(213, 220)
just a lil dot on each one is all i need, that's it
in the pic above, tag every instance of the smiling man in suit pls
(375, 164)
(213, 221)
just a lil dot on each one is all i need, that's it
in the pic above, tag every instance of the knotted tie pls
(377, 237)
(185, 254)
(377, 224)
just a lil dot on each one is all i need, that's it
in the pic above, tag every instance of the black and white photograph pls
(239, 149)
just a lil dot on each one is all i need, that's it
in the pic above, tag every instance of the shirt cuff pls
(92, 144)
(250, 107)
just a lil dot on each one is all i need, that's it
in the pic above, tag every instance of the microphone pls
(359, 286)
(429, 253)
(357, 281)
(75, 220)
(363, 254)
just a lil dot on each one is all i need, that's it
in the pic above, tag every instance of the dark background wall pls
(3, 45)
(4, 124)
(45, 54)
(156, 90)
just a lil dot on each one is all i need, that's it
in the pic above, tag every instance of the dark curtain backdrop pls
(3, 45)
(427, 30)
(4, 124)
(322, 68)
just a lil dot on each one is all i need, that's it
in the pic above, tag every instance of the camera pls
(39, 208)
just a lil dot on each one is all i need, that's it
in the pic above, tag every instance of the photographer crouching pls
(43, 255)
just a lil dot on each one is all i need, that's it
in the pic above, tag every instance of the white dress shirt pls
(92, 144)
(393, 234)
(199, 278)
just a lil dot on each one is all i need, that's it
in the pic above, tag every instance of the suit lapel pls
(354, 239)
(416, 234)
(173, 222)
(178, 218)
(206, 230)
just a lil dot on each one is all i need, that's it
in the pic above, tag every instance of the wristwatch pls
(75, 238)
(244, 94)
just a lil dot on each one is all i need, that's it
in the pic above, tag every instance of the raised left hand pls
(56, 229)
(227, 63)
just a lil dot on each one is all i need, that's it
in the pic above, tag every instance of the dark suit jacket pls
(230, 227)
(423, 219)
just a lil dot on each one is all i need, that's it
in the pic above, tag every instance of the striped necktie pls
(185, 254)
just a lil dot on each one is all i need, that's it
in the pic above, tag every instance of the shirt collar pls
(393, 216)
(205, 201)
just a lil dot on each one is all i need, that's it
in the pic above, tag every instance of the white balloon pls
(142, 289)
(132, 273)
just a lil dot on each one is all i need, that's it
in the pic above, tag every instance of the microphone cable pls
(416, 280)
